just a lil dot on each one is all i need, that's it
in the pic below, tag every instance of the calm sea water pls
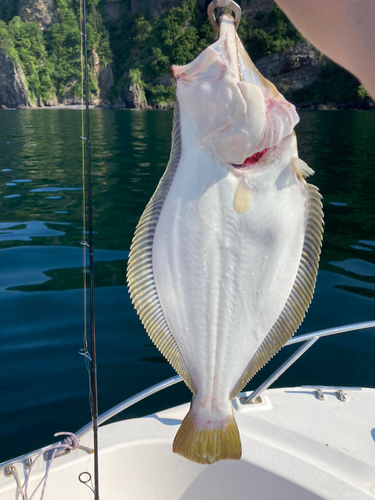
(43, 380)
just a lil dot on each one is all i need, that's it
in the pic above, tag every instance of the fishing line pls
(84, 351)
(90, 359)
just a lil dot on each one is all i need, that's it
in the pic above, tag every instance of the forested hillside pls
(133, 43)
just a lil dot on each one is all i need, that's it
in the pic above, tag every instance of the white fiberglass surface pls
(148, 470)
(151, 471)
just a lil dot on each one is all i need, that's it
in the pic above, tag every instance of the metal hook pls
(229, 4)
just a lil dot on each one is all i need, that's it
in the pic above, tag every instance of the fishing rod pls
(92, 358)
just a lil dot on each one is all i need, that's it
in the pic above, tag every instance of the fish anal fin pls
(207, 442)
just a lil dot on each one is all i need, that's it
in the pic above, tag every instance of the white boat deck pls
(295, 446)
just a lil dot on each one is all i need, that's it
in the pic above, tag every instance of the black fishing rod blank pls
(94, 385)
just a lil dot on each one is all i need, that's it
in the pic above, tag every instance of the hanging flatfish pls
(224, 259)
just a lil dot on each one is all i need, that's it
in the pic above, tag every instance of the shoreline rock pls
(13, 88)
(134, 96)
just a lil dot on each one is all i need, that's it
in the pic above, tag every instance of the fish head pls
(235, 114)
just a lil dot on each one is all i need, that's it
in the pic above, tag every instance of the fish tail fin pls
(206, 442)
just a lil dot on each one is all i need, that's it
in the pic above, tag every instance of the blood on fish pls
(255, 158)
(252, 159)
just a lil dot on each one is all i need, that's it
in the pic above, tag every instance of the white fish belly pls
(223, 277)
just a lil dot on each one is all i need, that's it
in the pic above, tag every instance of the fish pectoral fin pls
(207, 443)
(301, 168)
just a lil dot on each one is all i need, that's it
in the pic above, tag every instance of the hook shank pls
(229, 4)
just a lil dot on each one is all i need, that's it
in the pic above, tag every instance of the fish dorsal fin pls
(140, 270)
(300, 297)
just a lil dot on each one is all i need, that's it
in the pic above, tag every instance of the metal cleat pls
(341, 396)
(319, 395)
(9, 471)
(256, 401)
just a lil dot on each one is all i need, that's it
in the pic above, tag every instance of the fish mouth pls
(251, 160)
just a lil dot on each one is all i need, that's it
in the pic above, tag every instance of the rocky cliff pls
(13, 88)
(43, 12)
(293, 68)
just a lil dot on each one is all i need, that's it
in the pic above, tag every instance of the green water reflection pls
(130, 151)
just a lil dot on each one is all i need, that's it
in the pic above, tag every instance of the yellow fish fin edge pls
(140, 274)
(207, 445)
(300, 297)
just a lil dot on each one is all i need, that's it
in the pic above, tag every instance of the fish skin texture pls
(224, 260)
